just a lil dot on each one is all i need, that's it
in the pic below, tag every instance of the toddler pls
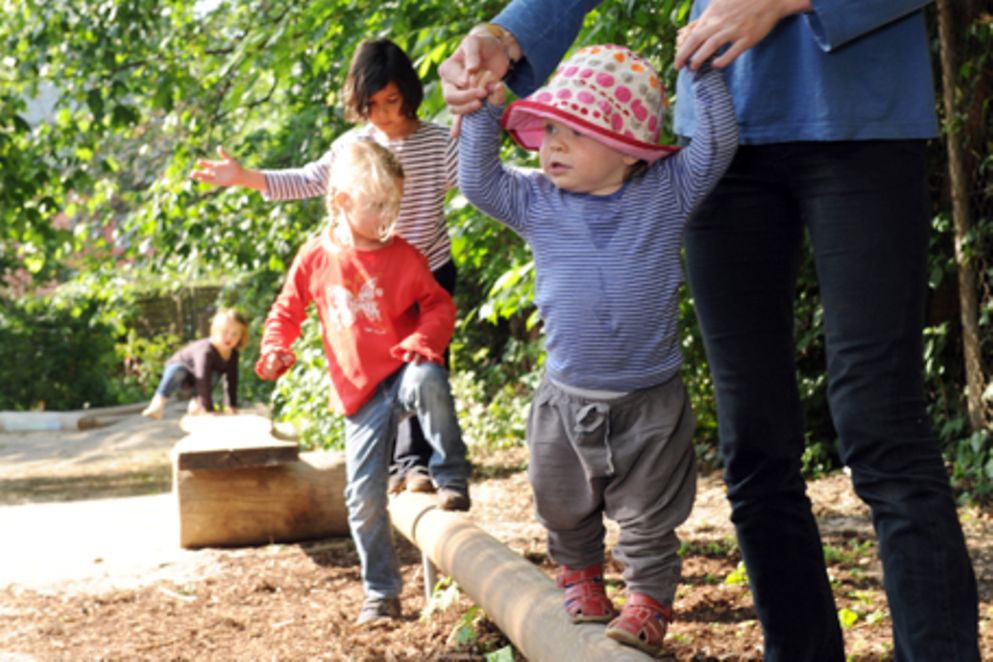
(610, 428)
(199, 363)
(386, 322)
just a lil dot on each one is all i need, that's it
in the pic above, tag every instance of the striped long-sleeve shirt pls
(430, 163)
(607, 268)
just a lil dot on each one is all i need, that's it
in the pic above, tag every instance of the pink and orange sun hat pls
(606, 92)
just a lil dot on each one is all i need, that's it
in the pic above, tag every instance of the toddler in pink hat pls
(610, 429)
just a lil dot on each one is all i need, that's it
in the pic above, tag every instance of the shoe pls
(396, 484)
(376, 609)
(642, 623)
(585, 597)
(419, 482)
(450, 498)
(155, 408)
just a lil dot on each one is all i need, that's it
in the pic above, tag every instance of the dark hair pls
(375, 64)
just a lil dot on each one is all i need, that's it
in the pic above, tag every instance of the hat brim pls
(524, 120)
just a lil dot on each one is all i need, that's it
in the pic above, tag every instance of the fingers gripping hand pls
(226, 171)
(460, 73)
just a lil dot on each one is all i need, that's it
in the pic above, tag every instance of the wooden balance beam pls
(523, 602)
(236, 484)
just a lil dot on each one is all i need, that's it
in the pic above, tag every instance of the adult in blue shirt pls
(834, 100)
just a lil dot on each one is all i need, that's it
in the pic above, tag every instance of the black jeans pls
(864, 205)
(412, 451)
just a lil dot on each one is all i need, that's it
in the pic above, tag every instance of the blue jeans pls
(174, 377)
(865, 207)
(422, 390)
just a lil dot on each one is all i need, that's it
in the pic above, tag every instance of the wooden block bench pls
(236, 484)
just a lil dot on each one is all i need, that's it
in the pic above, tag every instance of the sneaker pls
(419, 482)
(453, 499)
(376, 609)
(155, 408)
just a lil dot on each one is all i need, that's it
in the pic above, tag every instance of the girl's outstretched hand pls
(225, 172)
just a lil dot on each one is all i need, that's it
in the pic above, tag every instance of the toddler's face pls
(578, 163)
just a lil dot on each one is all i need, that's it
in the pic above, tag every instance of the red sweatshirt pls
(374, 306)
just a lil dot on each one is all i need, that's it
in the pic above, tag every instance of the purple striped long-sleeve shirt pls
(607, 268)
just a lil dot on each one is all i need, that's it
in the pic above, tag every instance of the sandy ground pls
(98, 544)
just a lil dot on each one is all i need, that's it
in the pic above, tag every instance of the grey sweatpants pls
(630, 458)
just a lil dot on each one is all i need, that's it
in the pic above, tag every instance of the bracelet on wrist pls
(506, 40)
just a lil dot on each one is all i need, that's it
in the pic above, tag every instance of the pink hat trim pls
(523, 120)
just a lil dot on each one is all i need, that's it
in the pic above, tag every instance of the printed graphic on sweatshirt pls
(346, 307)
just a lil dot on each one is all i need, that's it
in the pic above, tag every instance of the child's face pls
(366, 217)
(578, 163)
(386, 113)
(229, 335)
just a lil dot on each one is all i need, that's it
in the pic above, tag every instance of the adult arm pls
(544, 30)
(537, 35)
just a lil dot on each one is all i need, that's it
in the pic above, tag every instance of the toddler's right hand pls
(275, 363)
(225, 172)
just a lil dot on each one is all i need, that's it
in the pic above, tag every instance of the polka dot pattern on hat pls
(605, 90)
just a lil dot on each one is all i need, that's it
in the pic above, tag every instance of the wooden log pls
(523, 602)
(200, 451)
(289, 502)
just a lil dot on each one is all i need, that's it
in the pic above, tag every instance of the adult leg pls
(742, 250)
(413, 451)
(424, 390)
(367, 454)
(867, 208)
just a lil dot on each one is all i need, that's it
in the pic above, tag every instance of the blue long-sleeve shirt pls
(607, 269)
(849, 70)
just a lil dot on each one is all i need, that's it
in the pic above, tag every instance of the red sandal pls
(585, 597)
(642, 623)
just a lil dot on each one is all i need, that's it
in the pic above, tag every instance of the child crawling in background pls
(610, 430)
(386, 322)
(199, 363)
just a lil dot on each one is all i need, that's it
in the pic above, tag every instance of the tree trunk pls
(958, 183)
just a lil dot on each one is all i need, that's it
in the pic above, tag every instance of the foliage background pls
(97, 209)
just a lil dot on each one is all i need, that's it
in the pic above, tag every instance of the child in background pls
(197, 364)
(610, 429)
(386, 322)
(382, 88)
